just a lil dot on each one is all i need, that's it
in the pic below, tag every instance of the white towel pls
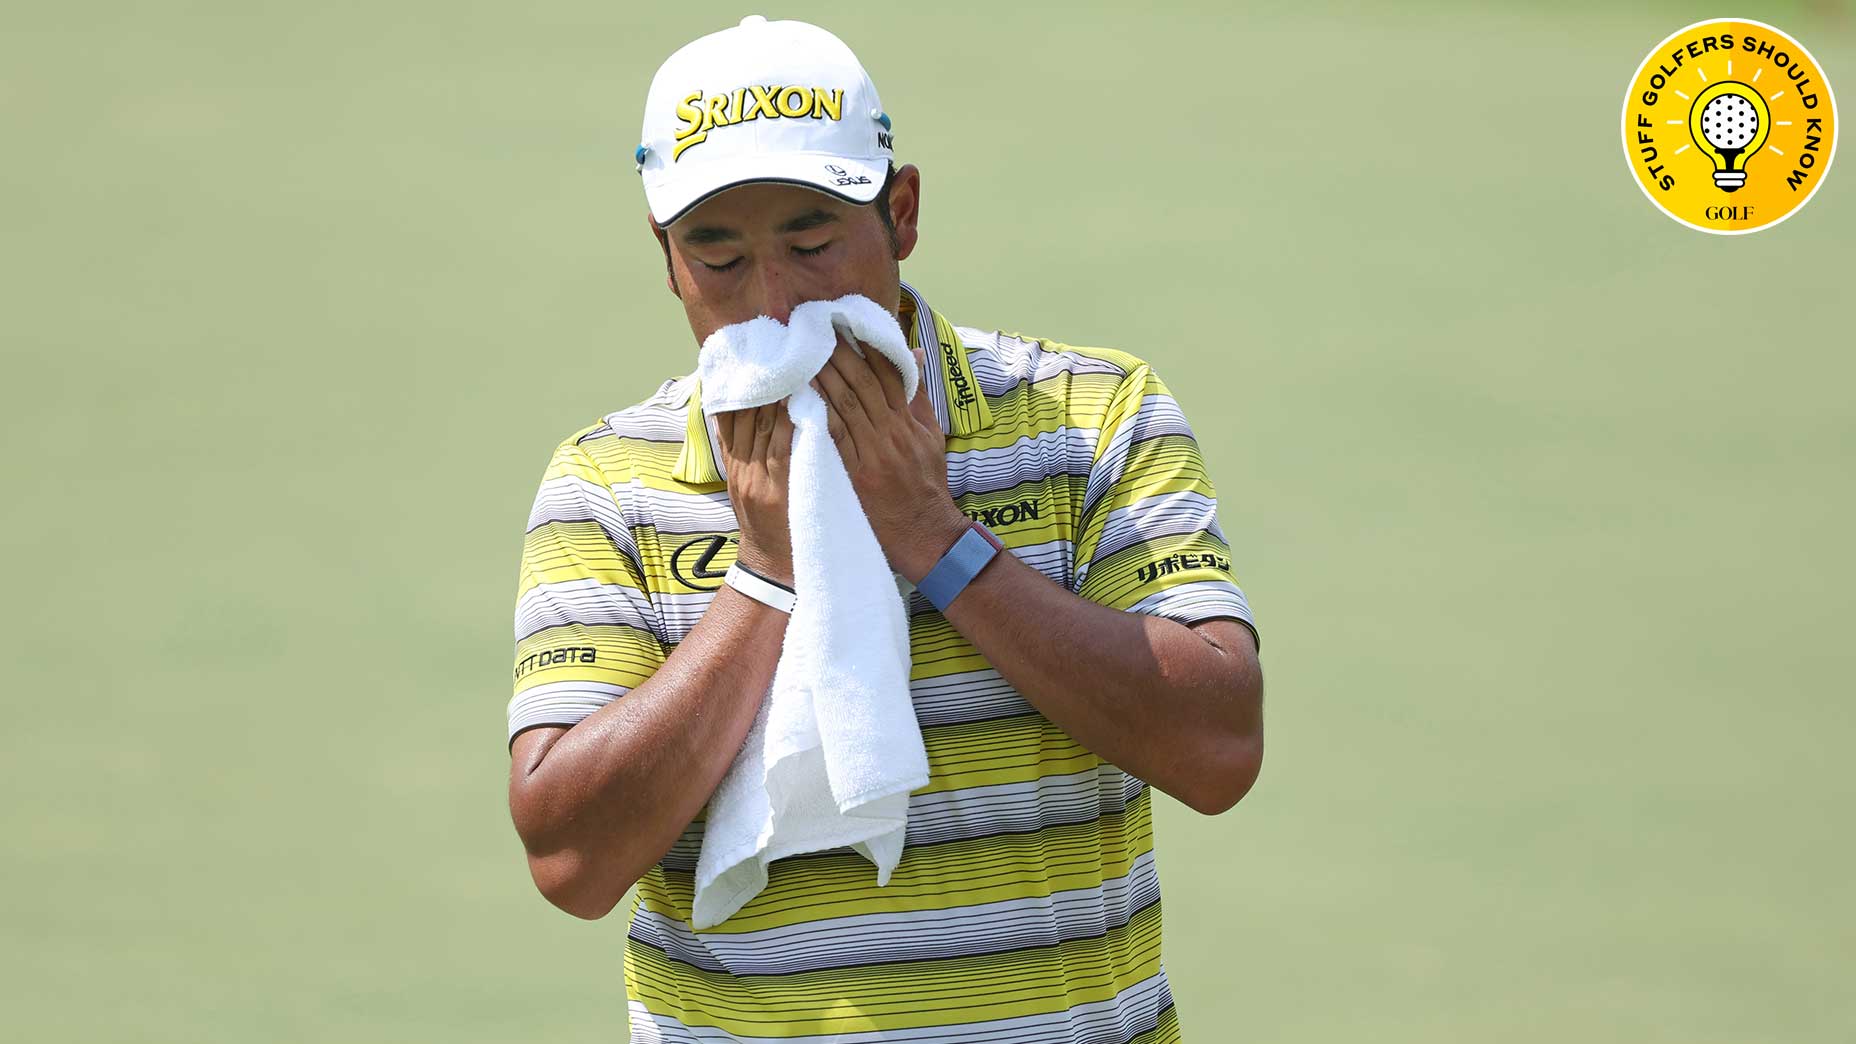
(835, 749)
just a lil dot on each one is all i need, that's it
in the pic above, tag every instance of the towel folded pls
(835, 748)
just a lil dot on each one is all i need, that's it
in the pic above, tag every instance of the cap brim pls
(671, 198)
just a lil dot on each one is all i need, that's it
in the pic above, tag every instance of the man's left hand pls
(896, 455)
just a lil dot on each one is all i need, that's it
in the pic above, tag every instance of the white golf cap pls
(762, 101)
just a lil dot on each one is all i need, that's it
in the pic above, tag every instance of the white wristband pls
(759, 588)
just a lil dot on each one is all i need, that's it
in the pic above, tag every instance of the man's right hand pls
(597, 804)
(756, 445)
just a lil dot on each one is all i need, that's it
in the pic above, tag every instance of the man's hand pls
(1179, 707)
(896, 455)
(756, 443)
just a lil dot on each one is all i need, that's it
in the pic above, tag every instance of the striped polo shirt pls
(1026, 904)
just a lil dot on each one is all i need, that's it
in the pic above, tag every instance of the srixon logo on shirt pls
(1160, 567)
(1004, 515)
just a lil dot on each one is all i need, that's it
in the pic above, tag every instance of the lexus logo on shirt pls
(692, 564)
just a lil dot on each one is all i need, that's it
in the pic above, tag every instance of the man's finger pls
(763, 429)
(834, 424)
(737, 432)
(860, 378)
(780, 448)
(843, 398)
(887, 377)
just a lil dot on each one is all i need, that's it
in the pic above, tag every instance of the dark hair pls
(881, 203)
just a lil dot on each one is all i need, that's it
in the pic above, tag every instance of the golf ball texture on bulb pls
(1729, 122)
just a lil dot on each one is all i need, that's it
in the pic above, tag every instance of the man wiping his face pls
(1071, 637)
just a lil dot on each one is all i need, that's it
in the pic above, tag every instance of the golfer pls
(1106, 651)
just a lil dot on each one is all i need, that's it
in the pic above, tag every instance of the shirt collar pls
(952, 388)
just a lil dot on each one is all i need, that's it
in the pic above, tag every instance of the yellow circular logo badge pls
(1730, 126)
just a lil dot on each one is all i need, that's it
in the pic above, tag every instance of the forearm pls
(613, 793)
(1178, 706)
(1151, 696)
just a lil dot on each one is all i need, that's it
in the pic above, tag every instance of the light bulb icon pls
(1729, 122)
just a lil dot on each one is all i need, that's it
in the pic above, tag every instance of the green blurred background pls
(1553, 568)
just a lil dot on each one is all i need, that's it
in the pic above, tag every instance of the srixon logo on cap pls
(701, 114)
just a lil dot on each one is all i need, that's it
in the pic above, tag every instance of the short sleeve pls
(586, 631)
(1149, 540)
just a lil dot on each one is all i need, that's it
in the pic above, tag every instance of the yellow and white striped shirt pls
(1026, 904)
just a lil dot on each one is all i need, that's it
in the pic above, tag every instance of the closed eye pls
(719, 268)
(813, 251)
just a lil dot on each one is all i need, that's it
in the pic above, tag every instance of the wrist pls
(960, 565)
(775, 568)
(768, 592)
(937, 537)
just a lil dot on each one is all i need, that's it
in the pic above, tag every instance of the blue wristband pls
(958, 566)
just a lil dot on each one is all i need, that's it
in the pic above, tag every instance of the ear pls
(663, 241)
(905, 207)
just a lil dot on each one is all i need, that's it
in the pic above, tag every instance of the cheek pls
(862, 268)
(699, 308)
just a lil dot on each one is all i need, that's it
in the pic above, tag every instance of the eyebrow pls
(706, 234)
(809, 219)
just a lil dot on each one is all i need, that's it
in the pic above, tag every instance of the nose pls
(775, 290)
